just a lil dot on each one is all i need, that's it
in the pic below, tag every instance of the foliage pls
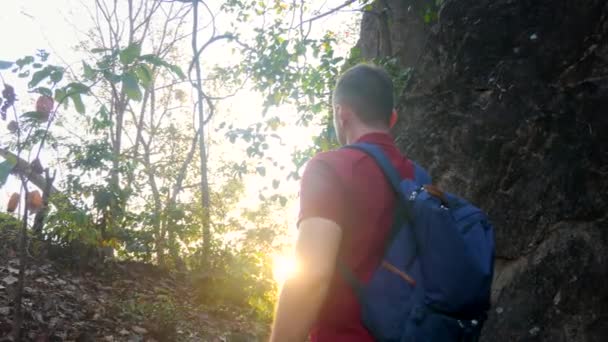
(243, 279)
(5, 169)
(399, 75)
(290, 67)
(124, 130)
(30, 131)
(160, 312)
(431, 11)
(239, 271)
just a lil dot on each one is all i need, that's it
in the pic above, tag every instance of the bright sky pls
(59, 25)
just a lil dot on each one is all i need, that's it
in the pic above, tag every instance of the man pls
(346, 211)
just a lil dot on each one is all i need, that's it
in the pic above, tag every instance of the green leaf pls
(39, 76)
(144, 74)
(44, 91)
(60, 95)
(5, 169)
(78, 103)
(427, 18)
(89, 73)
(11, 159)
(276, 98)
(153, 59)
(157, 61)
(21, 62)
(102, 198)
(5, 65)
(261, 170)
(113, 78)
(129, 82)
(283, 200)
(38, 116)
(76, 87)
(99, 50)
(128, 55)
(105, 63)
(103, 112)
(178, 71)
(57, 75)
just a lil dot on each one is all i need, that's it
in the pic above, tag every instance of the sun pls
(284, 267)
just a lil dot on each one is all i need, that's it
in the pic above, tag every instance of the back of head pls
(368, 91)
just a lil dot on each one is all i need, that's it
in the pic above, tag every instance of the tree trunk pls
(18, 318)
(40, 215)
(204, 188)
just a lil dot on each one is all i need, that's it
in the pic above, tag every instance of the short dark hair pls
(368, 89)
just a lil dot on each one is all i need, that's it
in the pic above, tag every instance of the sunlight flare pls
(284, 267)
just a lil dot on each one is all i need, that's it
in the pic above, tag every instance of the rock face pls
(508, 106)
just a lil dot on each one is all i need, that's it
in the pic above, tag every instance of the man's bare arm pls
(303, 295)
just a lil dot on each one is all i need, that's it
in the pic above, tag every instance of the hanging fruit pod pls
(34, 201)
(12, 202)
(13, 126)
(45, 104)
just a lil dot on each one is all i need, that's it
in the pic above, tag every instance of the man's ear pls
(393, 120)
(344, 113)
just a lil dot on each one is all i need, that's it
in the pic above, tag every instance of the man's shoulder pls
(339, 158)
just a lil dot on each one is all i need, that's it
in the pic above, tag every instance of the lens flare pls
(284, 267)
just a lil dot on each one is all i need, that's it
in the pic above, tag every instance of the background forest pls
(168, 132)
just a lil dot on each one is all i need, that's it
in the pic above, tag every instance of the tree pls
(22, 156)
(197, 84)
(136, 103)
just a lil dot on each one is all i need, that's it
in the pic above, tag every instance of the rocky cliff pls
(507, 106)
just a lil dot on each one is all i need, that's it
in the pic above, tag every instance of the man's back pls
(346, 210)
(347, 187)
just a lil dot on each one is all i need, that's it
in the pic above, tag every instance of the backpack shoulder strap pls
(420, 175)
(382, 160)
(402, 213)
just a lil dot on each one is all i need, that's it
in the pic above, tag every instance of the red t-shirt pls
(347, 187)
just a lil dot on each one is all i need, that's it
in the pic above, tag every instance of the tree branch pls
(177, 188)
(205, 197)
(333, 10)
(24, 168)
(209, 42)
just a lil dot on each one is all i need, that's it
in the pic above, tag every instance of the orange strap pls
(436, 192)
(399, 272)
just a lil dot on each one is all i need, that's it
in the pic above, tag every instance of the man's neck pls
(362, 131)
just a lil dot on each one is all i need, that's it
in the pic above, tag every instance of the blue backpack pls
(435, 279)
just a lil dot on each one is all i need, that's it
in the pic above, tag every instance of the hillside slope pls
(65, 300)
